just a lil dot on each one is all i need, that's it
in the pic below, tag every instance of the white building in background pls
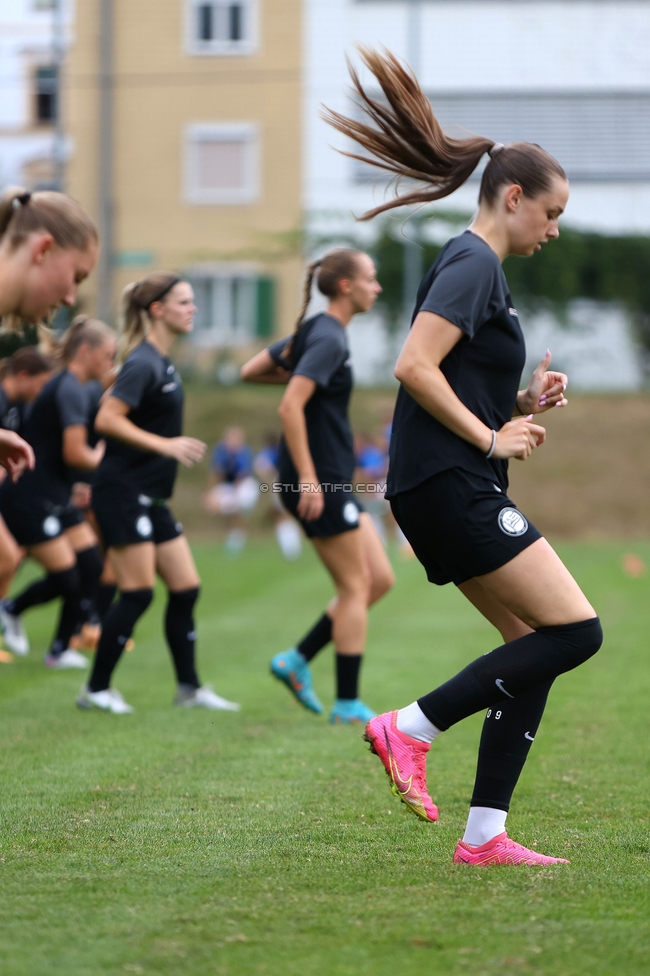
(32, 34)
(572, 75)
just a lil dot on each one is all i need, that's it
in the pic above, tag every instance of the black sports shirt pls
(94, 392)
(149, 384)
(62, 403)
(11, 414)
(466, 286)
(321, 354)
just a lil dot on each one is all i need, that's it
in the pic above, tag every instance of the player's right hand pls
(311, 502)
(519, 438)
(187, 450)
(16, 455)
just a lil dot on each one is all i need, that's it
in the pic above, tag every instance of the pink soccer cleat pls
(501, 850)
(404, 760)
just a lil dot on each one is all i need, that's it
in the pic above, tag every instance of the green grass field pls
(171, 842)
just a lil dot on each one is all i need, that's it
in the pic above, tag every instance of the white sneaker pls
(14, 632)
(204, 697)
(109, 700)
(67, 661)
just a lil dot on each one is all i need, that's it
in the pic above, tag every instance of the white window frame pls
(216, 48)
(214, 336)
(249, 134)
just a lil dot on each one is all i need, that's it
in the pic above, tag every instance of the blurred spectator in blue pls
(233, 490)
(372, 465)
(287, 530)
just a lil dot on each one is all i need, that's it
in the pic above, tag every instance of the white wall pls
(479, 46)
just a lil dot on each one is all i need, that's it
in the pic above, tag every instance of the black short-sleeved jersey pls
(466, 286)
(321, 354)
(11, 414)
(149, 384)
(62, 403)
(94, 392)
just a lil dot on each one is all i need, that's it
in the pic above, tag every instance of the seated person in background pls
(233, 489)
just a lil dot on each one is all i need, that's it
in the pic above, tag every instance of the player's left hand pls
(16, 455)
(545, 390)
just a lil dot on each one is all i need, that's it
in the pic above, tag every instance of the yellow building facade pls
(204, 127)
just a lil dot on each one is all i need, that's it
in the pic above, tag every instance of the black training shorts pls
(340, 514)
(461, 526)
(126, 518)
(71, 516)
(33, 519)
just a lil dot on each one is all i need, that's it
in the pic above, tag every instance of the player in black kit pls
(48, 245)
(315, 470)
(38, 511)
(22, 377)
(453, 434)
(142, 418)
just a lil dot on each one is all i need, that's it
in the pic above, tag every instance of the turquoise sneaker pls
(350, 711)
(291, 668)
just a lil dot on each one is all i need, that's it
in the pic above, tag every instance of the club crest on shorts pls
(512, 522)
(350, 513)
(144, 526)
(51, 526)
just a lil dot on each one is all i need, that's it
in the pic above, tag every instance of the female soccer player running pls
(452, 435)
(39, 512)
(142, 417)
(48, 245)
(316, 465)
(24, 374)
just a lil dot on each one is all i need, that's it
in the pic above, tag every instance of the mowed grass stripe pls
(191, 842)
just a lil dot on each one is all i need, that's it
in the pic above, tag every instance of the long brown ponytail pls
(407, 140)
(334, 267)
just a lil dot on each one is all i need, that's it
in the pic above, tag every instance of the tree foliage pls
(604, 268)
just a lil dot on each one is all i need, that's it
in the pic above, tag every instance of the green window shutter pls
(265, 324)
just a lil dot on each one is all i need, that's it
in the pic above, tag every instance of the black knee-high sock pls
(78, 601)
(316, 639)
(508, 732)
(181, 636)
(511, 670)
(118, 627)
(347, 675)
(91, 566)
(45, 589)
(104, 596)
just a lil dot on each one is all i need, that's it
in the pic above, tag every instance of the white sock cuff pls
(483, 825)
(412, 721)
